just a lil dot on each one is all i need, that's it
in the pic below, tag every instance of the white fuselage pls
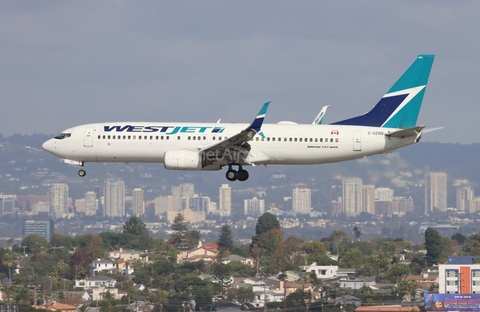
(288, 144)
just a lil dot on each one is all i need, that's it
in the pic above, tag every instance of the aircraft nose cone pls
(49, 146)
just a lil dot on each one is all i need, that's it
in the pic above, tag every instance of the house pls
(100, 265)
(357, 283)
(349, 299)
(61, 307)
(95, 282)
(75, 296)
(425, 280)
(243, 260)
(101, 292)
(128, 255)
(322, 271)
(197, 254)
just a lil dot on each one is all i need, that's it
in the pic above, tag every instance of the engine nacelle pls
(183, 160)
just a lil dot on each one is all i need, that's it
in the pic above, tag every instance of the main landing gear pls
(82, 171)
(233, 175)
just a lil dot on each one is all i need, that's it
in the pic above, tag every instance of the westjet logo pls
(164, 129)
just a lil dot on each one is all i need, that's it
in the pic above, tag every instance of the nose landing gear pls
(233, 175)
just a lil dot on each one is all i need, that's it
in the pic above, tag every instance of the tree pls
(296, 301)
(34, 243)
(8, 262)
(225, 241)
(222, 274)
(265, 223)
(357, 232)
(433, 244)
(337, 237)
(135, 226)
(91, 246)
(461, 239)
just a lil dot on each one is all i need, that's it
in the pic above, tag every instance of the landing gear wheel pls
(242, 175)
(232, 175)
(82, 173)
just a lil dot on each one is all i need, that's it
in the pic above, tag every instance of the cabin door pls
(88, 140)
(357, 141)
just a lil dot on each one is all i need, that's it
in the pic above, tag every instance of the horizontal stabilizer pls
(415, 131)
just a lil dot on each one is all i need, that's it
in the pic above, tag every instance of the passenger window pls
(326, 139)
(139, 137)
(161, 138)
(316, 140)
(331, 140)
(167, 138)
(295, 139)
(134, 137)
(151, 137)
(189, 138)
(204, 138)
(306, 140)
(129, 137)
(285, 139)
(193, 138)
(290, 139)
(124, 137)
(300, 140)
(257, 138)
(178, 138)
(336, 140)
(268, 139)
(213, 138)
(108, 137)
(99, 136)
(156, 138)
(321, 139)
(273, 139)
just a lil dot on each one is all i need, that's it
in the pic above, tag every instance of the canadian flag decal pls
(335, 132)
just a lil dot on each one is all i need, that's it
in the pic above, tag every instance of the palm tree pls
(8, 262)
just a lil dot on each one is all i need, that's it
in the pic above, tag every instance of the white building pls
(322, 271)
(302, 200)
(254, 207)
(435, 191)
(59, 200)
(352, 196)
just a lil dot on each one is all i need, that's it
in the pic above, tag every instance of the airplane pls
(390, 125)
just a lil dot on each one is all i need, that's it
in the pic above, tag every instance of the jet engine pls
(183, 160)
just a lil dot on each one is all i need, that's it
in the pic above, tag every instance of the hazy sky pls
(65, 63)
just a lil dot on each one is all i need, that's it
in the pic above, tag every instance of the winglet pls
(318, 120)
(256, 125)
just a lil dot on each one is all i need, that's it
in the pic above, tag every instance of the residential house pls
(350, 300)
(208, 255)
(61, 307)
(101, 292)
(100, 265)
(95, 282)
(426, 280)
(243, 260)
(357, 283)
(322, 271)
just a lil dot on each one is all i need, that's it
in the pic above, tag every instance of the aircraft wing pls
(406, 132)
(238, 142)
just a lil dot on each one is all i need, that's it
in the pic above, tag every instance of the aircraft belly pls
(130, 153)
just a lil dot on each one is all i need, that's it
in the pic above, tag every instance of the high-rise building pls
(352, 196)
(91, 203)
(465, 199)
(368, 198)
(200, 203)
(302, 200)
(138, 204)
(435, 191)
(177, 198)
(225, 201)
(163, 204)
(7, 204)
(383, 194)
(43, 228)
(187, 190)
(254, 207)
(59, 200)
(114, 198)
(402, 205)
(80, 206)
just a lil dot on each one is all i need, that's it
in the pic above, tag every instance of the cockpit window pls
(62, 136)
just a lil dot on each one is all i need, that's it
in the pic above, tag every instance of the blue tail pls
(400, 106)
